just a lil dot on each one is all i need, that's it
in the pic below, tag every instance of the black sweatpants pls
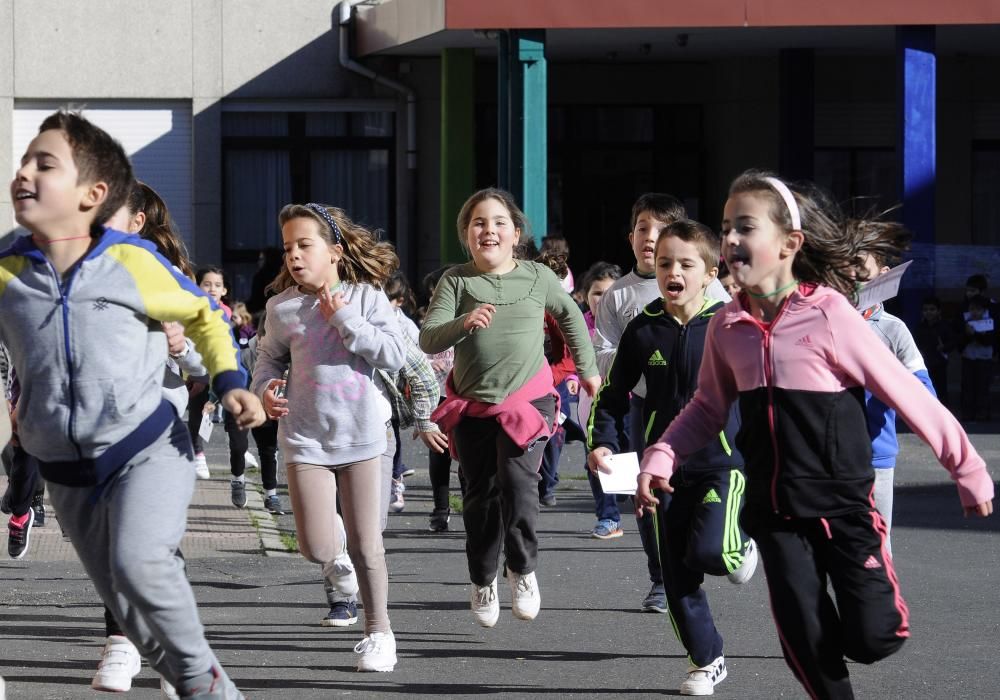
(699, 534)
(266, 437)
(870, 619)
(24, 481)
(501, 495)
(196, 406)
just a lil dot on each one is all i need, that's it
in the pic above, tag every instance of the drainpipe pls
(411, 97)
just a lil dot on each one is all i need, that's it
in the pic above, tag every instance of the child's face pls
(972, 291)
(46, 193)
(873, 268)
(311, 261)
(596, 291)
(213, 286)
(729, 284)
(491, 236)
(643, 240)
(976, 313)
(931, 313)
(754, 247)
(396, 303)
(681, 273)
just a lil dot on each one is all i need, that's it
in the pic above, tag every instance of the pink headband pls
(786, 194)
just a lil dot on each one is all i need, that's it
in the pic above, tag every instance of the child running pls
(500, 402)
(116, 456)
(797, 355)
(331, 327)
(699, 533)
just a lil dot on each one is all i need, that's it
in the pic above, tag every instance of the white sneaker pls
(378, 652)
(120, 663)
(396, 500)
(485, 604)
(702, 681)
(745, 570)
(168, 691)
(525, 598)
(339, 573)
(201, 466)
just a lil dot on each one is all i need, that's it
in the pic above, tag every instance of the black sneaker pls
(18, 534)
(38, 505)
(439, 520)
(343, 613)
(273, 504)
(238, 491)
(548, 500)
(656, 599)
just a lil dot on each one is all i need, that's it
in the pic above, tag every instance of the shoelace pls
(18, 535)
(524, 585)
(485, 595)
(371, 644)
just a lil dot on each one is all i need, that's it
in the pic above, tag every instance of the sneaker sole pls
(522, 615)
(409, 472)
(109, 688)
(654, 609)
(337, 623)
(385, 668)
(611, 536)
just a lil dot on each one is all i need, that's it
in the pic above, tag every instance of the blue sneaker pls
(656, 599)
(343, 613)
(607, 530)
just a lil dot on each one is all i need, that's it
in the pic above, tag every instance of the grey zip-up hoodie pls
(89, 352)
(336, 413)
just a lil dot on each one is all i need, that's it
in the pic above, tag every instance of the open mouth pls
(674, 289)
(648, 250)
(489, 243)
(24, 194)
(736, 259)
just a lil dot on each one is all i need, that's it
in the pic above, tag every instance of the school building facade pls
(396, 110)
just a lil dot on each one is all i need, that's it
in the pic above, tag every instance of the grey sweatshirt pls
(336, 413)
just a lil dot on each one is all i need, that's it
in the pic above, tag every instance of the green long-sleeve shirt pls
(493, 362)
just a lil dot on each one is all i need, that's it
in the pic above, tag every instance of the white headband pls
(786, 194)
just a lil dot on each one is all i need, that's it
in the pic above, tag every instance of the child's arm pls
(611, 403)
(372, 332)
(570, 319)
(608, 328)
(442, 329)
(701, 420)
(273, 357)
(424, 390)
(872, 365)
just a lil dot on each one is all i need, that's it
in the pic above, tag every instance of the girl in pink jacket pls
(797, 356)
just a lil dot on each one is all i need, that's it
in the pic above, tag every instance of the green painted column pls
(523, 123)
(458, 165)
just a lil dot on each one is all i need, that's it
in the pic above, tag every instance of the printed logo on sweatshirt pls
(711, 497)
(805, 341)
(656, 360)
(100, 304)
(872, 563)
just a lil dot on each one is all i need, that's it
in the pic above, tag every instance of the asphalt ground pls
(590, 641)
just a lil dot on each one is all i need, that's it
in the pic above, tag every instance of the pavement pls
(261, 605)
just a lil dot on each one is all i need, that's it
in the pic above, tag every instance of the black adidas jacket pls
(655, 346)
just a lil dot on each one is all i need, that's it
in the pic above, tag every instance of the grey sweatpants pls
(126, 536)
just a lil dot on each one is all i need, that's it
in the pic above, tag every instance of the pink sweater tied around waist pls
(521, 421)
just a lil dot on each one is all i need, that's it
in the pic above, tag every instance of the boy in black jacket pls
(698, 533)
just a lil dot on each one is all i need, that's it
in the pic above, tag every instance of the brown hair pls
(885, 241)
(366, 259)
(830, 254)
(517, 216)
(664, 207)
(98, 158)
(159, 227)
(705, 240)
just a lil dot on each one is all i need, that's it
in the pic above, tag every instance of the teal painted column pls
(458, 148)
(523, 163)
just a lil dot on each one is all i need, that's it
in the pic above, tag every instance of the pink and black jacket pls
(800, 382)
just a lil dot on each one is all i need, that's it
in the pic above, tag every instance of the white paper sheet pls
(205, 429)
(882, 288)
(624, 476)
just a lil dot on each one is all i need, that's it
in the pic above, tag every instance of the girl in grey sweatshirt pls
(331, 327)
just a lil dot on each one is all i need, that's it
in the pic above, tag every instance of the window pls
(271, 159)
(986, 192)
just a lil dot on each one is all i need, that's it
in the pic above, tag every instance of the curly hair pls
(366, 259)
(831, 254)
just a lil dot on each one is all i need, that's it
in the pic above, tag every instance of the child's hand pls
(329, 304)
(275, 406)
(208, 407)
(591, 385)
(434, 440)
(644, 498)
(245, 407)
(480, 317)
(440, 365)
(572, 387)
(175, 338)
(595, 460)
(980, 509)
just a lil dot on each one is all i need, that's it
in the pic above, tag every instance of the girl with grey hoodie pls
(331, 327)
